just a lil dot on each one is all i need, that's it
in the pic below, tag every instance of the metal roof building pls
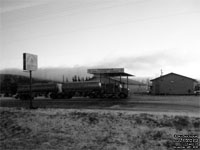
(173, 84)
(109, 74)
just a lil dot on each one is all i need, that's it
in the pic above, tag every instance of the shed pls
(173, 84)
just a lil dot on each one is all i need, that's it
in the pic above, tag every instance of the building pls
(138, 87)
(108, 80)
(173, 84)
(109, 75)
(135, 87)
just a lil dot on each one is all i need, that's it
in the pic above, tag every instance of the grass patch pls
(83, 129)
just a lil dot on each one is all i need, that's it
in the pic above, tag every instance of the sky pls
(142, 36)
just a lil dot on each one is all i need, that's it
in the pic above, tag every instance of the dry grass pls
(91, 129)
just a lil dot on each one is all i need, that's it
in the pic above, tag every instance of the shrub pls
(93, 120)
(181, 122)
(196, 124)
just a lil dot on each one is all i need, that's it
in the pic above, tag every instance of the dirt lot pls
(170, 104)
(83, 129)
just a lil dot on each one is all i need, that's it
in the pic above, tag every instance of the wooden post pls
(127, 81)
(127, 84)
(31, 98)
(100, 77)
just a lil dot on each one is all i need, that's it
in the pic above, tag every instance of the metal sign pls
(106, 70)
(30, 62)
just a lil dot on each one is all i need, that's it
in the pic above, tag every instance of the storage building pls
(173, 84)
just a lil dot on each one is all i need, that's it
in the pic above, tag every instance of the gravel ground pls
(167, 104)
(82, 129)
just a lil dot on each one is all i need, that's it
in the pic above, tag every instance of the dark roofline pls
(113, 74)
(174, 74)
(116, 74)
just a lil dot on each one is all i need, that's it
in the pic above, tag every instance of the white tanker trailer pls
(38, 89)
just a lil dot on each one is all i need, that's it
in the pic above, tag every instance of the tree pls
(79, 79)
(82, 79)
(75, 78)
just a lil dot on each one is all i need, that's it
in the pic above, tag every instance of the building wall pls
(173, 84)
(138, 89)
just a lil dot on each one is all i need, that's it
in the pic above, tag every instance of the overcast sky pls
(142, 36)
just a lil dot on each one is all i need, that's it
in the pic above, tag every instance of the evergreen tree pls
(79, 79)
(82, 79)
(75, 78)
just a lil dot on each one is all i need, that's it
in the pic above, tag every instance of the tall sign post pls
(30, 64)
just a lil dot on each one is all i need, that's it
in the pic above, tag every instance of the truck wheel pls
(53, 96)
(122, 95)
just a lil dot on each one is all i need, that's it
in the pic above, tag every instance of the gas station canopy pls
(112, 72)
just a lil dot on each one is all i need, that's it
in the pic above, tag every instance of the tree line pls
(79, 79)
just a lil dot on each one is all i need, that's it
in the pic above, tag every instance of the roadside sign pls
(30, 62)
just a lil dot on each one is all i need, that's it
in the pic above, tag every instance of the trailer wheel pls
(25, 97)
(53, 96)
(67, 96)
(122, 95)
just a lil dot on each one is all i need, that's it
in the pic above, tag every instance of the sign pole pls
(30, 64)
(31, 103)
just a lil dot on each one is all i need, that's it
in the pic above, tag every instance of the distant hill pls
(55, 74)
(10, 82)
